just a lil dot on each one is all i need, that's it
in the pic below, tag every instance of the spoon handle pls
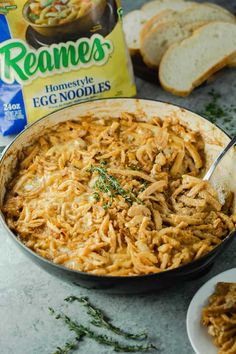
(218, 159)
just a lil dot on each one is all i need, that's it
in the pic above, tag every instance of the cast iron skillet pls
(113, 284)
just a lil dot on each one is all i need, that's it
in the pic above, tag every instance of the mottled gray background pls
(26, 291)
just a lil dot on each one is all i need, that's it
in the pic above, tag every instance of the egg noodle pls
(219, 316)
(117, 197)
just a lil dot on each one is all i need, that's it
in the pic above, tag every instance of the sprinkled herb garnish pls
(220, 113)
(110, 185)
(100, 320)
(213, 110)
(82, 331)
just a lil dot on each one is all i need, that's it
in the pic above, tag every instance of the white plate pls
(201, 342)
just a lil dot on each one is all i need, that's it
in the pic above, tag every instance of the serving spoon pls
(218, 159)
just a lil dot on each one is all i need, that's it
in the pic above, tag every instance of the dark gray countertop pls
(26, 291)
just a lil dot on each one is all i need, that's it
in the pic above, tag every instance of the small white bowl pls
(200, 340)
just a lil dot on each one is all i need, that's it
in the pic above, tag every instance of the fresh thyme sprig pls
(68, 347)
(100, 320)
(82, 331)
(110, 185)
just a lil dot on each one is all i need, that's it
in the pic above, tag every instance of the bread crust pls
(133, 52)
(232, 62)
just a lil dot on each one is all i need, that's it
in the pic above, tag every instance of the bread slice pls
(163, 16)
(132, 25)
(154, 45)
(189, 63)
(156, 6)
(176, 28)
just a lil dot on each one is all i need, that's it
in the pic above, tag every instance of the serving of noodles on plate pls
(117, 197)
(219, 316)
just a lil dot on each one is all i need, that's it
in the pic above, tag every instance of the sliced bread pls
(194, 14)
(179, 26)
(154, 7)
(154, 46)
(132, 25)
(134, 21)
(189, 63)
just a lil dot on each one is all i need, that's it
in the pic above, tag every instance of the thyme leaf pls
(110, 185)
(100, 320)
(96, 196)
(82, 331)
(144, 186)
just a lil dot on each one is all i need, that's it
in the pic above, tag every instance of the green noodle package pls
(54, 53)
